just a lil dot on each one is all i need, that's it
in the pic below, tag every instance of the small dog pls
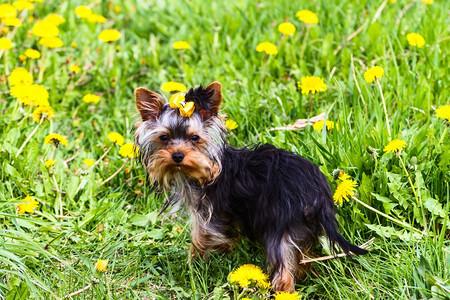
(267, 194)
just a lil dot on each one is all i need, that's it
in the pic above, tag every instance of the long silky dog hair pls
(269, 195)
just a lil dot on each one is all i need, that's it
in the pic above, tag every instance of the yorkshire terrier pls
(270, 195)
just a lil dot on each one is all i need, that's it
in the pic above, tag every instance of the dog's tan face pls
(172, 145)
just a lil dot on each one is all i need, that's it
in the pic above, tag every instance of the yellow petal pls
(187, 110)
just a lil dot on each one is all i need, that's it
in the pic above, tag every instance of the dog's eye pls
(195, 138)
(164, 137)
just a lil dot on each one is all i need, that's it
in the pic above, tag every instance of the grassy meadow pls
(64, 206)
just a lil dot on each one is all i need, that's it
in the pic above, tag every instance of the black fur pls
(265, 193)
(201, 97)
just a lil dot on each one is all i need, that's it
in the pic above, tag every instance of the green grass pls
(45, 255)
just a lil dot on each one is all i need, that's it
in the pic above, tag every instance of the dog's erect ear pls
(216, 98)
(148, 103)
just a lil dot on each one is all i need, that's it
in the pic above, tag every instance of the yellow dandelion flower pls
(319, 125)
(83, 11)
(268, 47)
(12, 21)
(33, 54)
(129, 150)
(344, 190)
(286, 28)
(74, 44)
(287, 296)
(51, 42)
(55, 19)
(31, 95)
(22, 58)
(312, 84)
(5, 44)
(22, 4)
(91, 98)
(117, 8)
(373, 73)
(444, 112)
(76, 69)
(307, 16)
(230, 124)
(101, 265)
(180, 45)
(49, 163)
(43, 112)
(187, 109)
(427, 2)
(45, 29)
(117, 48)
(89, 162)
(392, 1)
(171, 86)
(20, 76)
(28, 206)
(248, 274)
(94, 18)
(415, 39)
(176, 99)
(395, 146)
(109, 35)
(56, 140)
(116, 138)
(7, 11)
(4, 30)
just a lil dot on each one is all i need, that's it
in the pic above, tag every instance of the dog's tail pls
(329, 223)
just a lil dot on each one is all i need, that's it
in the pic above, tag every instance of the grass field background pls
(44, 254)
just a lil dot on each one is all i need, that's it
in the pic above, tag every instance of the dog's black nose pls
(177, 157)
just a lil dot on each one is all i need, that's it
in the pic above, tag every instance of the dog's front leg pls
(208, 236)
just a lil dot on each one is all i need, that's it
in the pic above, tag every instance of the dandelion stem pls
(131, 172)
(103, 156)
(418, 199)
(6, 63)
(29, 137)
(304, 43)
(181, 59)
(59, 203)
(384, 107)
(443, 135)
(117, 172)
(42, 69)
(110, 55)
(53, 153)
(406, 225)
(281, 41)
(72, 158)
(264, 70)
(310, 103)
(242, 293)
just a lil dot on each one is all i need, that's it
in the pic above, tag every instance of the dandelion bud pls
(100, 267)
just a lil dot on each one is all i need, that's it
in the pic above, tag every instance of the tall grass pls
(48, 255)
